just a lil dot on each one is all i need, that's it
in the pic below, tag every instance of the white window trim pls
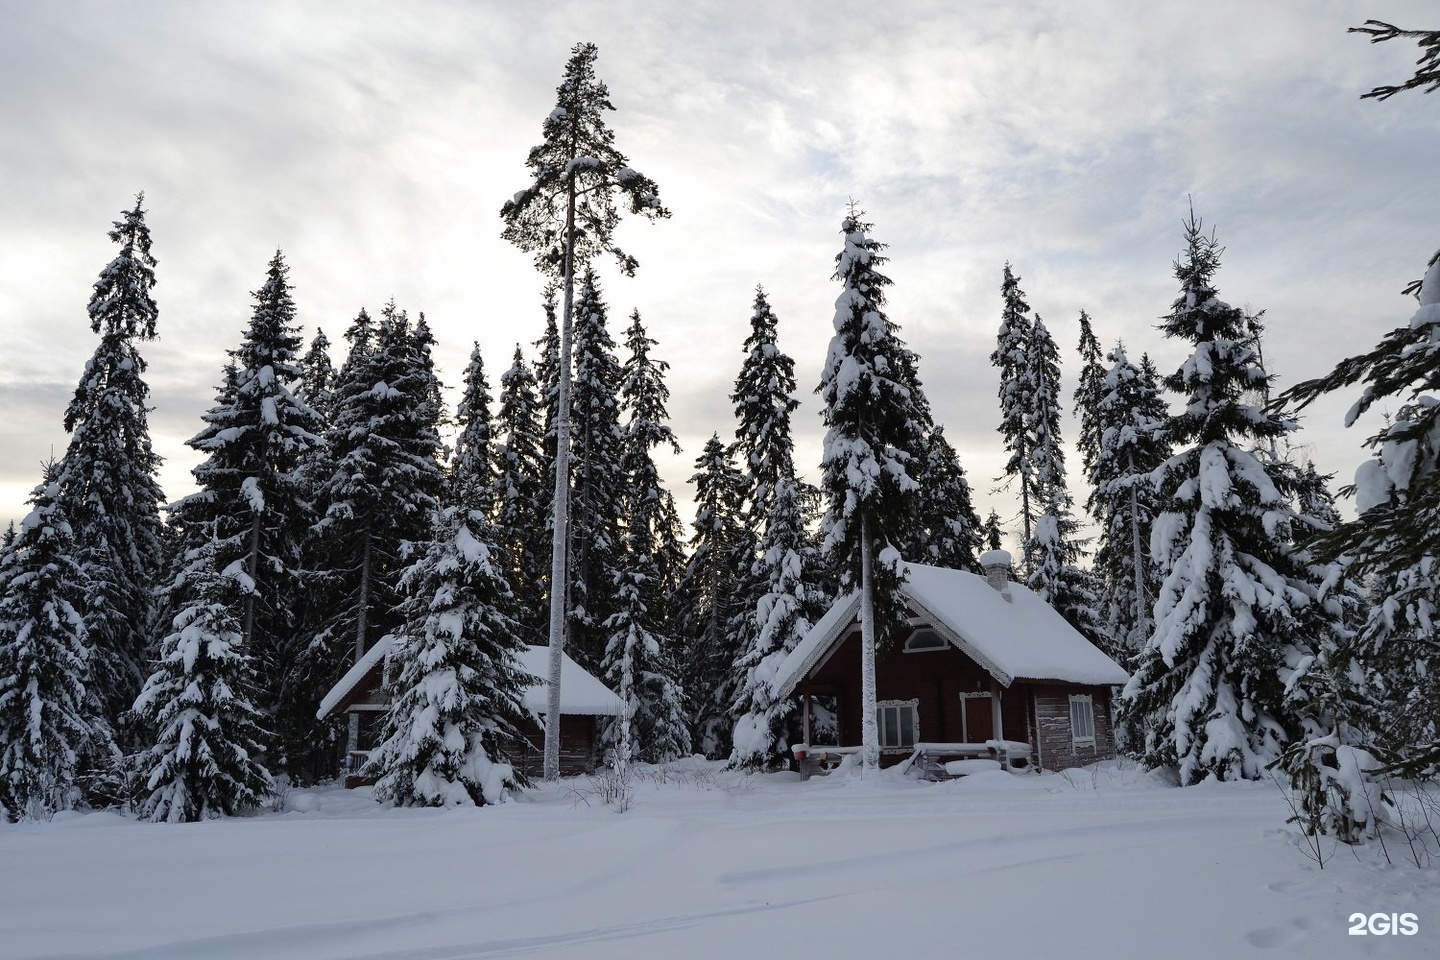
(914, 706)
(943, 645)
(1076, 699)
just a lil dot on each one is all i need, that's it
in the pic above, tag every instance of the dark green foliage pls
(471, 464)
(1427, 70)
(382, 493)
(206, 760)
(1128, 417)
(253, 509)
(709, 601)
(49, 722)
(948, 528)
(1235, 616)
(599, 485)
(1016, 401)
(875, 422)
(107, 485)
(455, 711)
(522, 542)
(569, 209)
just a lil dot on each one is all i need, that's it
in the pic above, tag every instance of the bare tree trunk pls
(559, 567)
(1141, 626)
(362, 613)
(869, 725)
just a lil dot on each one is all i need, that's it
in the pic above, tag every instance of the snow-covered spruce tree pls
(471, 463)
(384, 490)
(521, 502)
(1011, 357)
(206, 760)
(777, 595)
(566, 217)
(873, 441)
(1128, 419)
(107, 485)
(993, 537)
(764, 400)
(650, 510)
(640, 666)
(253, 507)
(317, 375)
(1390, 544)
(639, 657)
(48, 721)
(455, 710)
(1088, 391)
(759, 741)
(708, 601)
(1054, 549)
(948, 532)
(1234, 614)
(596, 524)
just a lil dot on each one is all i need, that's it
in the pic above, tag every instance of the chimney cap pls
(995, 558)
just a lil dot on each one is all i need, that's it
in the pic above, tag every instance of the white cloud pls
(375, 144)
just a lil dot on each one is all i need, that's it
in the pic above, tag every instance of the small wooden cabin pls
(984, 661)
(584, 703)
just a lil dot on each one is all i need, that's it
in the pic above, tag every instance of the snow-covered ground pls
(1104, 863)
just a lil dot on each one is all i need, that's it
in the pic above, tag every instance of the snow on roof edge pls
(581, 692)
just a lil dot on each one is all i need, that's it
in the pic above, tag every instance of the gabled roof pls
(580, 692)
(1019, 638)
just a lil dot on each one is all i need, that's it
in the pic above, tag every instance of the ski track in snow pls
(1000, 867)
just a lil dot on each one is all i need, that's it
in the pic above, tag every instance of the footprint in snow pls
(1270, 938)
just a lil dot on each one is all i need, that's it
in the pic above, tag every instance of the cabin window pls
(898, 720)
(925, 639)
(1082, 719)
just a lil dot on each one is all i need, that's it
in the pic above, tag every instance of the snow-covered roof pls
(374, 656)
(1019, 638)
(580, 692)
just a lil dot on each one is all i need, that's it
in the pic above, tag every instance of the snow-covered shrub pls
(1334, 790)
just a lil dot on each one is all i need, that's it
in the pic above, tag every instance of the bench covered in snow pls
(812, 759)
(929, 759)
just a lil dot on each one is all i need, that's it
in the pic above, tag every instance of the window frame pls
(1085, 702)
(936, 648)
(897, 705)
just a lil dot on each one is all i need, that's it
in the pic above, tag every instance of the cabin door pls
(979, 722)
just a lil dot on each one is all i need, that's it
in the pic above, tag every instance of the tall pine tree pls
(206, 760)
(253, 508)
(566, 217)
(872, 444)
(385, 488)
(48, 717)
(778, 595)
(1126, 418)
(455, 711)
(596, 526)
(471, 464)
(709, 597)
(1390, 545)
(1012, 358)
(639, 656)
(107, 485)
(521, 497)
(1234, 612)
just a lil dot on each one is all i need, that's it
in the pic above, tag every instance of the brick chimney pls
(996, 564)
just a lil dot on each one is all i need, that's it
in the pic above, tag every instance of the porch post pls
(995, 722)
(806, 726)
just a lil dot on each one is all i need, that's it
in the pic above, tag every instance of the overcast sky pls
(375, 142)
